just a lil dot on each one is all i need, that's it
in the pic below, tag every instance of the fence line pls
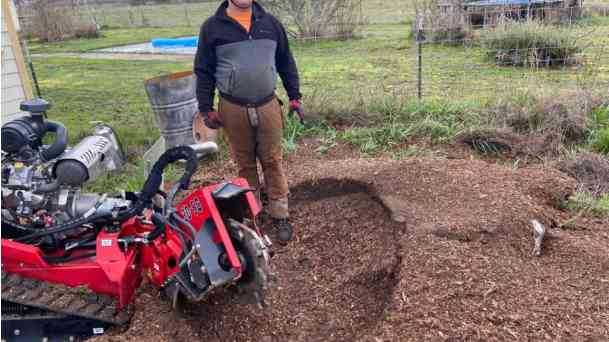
(458, 67)
(461, 59)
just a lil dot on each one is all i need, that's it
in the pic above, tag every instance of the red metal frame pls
(118, 272)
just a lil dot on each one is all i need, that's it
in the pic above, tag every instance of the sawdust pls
(421, 250)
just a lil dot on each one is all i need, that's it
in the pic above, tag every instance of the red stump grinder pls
(72, 261)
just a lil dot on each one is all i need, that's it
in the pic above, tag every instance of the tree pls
(318, 18)
(50, 20)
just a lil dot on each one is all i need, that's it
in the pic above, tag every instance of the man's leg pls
(270, 154)
(242, 140)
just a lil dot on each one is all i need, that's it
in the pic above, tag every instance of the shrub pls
(374, 139)
(51, 21)
(591, 170)
(598, 10)
(531, 44)
(440, 24)
(319, 18)
(87, 31)
(599, 130)
(600, 140)
(587, 204)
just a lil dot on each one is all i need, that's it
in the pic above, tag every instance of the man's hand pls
(296, 106)
(212, 120)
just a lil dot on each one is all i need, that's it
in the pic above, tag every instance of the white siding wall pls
(12, 87)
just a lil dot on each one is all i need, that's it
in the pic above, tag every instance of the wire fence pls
(126, 14)
(438, 52)
(489, 52)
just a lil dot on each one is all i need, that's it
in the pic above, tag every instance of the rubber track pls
(74, 301)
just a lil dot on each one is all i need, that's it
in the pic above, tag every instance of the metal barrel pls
(174, 102)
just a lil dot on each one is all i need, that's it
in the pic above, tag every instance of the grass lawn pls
(193, 14)
(111, 37)
(370, 80)
(340, 78)
(346, 76)
(83, 90)
(124, 24)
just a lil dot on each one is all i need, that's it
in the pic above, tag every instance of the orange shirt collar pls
(244, 18)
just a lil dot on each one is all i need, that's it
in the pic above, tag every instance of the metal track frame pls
(61, 299)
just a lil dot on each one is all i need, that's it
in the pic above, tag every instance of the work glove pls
(212, 120)
(296, 106)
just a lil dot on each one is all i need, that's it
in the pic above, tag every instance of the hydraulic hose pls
(48, 187)
(18, 226)
(159, 223)
(155, 178)
(76, 223)
(150, 188)
(59, 145)
(182, 221)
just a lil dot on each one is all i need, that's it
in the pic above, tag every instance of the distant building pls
(484, 13)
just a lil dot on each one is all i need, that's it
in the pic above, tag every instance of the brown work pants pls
(263, 143)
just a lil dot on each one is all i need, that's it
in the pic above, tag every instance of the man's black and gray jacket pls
(243, 65)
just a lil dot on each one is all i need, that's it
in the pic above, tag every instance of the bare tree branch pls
(318, 18)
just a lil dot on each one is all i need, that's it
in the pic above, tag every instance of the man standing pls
(241, 50)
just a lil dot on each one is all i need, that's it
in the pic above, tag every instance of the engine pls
(41, 183)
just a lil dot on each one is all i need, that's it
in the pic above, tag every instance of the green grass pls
(437, 121)
(412, 151)
(586, 204)
(193, 14)
(123, 25)
(293, 131)
(82, 91)
(594, 20)
(129, 178)
(600, 140)
(531, 43)
(369, 82)
(155, 15)
(374, 139)
(343, 77)
(111, 37)
(599, 130)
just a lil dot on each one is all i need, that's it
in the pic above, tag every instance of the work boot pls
(284, 227)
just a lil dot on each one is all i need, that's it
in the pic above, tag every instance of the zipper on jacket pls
(241, 28)
(251, 32)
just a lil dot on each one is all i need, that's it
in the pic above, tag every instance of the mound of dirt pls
(493, 141)
(467, 197)
(421, 249)
(550, 120)
(335, 280)
(591, 171)
(504, 141)
(554, 117)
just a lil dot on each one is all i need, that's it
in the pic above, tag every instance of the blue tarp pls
(509, 2)
(170, 43)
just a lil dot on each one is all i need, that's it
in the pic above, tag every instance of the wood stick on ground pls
(539, 231)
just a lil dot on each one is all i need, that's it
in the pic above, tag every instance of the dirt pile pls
(463, 199)
(545, 125)
(591, 171)
(422, 249)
